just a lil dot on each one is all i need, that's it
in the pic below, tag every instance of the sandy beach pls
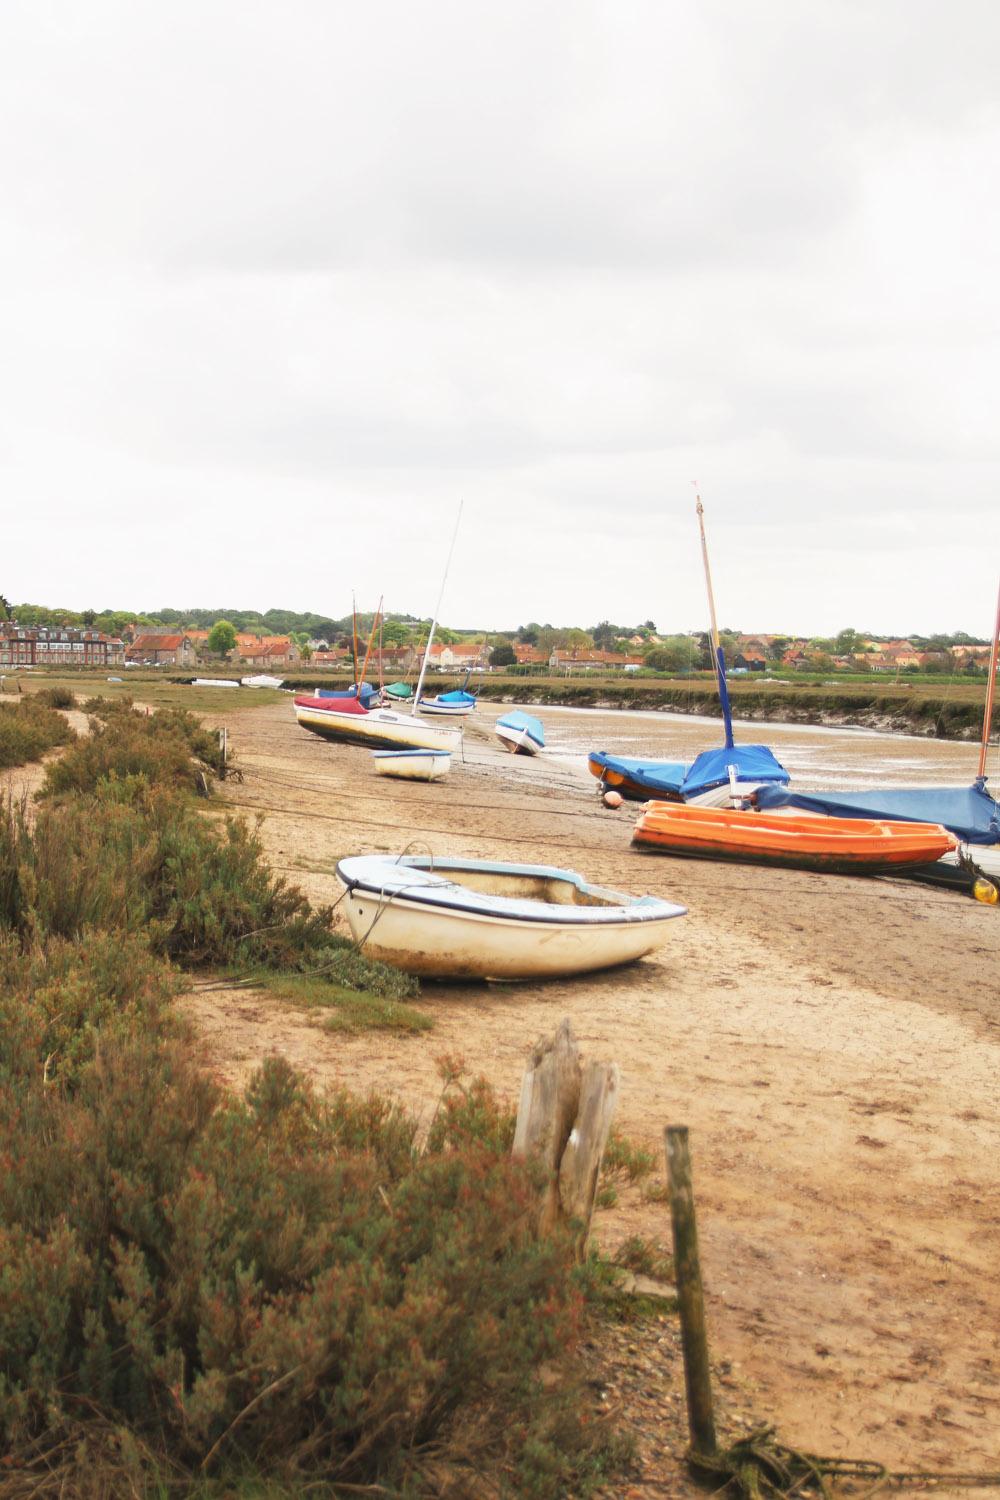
(832, 1044)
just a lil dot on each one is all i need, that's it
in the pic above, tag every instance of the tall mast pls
(430, 638)
(720, 670)
(991, 681)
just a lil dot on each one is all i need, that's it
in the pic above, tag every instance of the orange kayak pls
(839, 846)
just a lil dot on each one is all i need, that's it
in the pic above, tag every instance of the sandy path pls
(833, 1045)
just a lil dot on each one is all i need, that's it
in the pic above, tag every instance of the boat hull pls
(520, 733)
(379, 728)
(412, 765)
(473, 919)
(836, 846)
(441, 709)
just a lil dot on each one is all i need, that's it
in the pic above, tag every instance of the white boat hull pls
(413, 765)
(454, 919)
(446, 710)
(379, 728)
(517, 741)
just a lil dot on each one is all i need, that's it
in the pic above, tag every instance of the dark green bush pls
(233, 1281)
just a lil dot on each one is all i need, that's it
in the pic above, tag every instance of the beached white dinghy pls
(477, 919)
(412, 765)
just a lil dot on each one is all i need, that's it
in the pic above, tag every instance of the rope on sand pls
(760, 1468)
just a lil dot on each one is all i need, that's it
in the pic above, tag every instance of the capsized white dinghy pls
(481, 919)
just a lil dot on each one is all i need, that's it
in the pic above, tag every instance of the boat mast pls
(371, 642)
(430, 638)
(720, 670)
(990, 683)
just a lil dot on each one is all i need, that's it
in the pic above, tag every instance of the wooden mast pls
(991, 681)
(720, 675)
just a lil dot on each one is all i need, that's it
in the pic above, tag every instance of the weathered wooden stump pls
(562, 1124)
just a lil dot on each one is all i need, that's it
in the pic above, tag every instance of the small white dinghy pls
(479, 919)
(412, 765)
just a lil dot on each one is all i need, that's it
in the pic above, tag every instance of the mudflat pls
(833, 1045)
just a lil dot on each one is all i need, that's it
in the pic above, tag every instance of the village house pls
(590, 659)
(42, 646)
(158, 649)
(266, 651)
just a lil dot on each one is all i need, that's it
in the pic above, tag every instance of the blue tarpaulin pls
(710, 769)
(968, 811)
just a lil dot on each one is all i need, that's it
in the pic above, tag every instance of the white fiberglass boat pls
(478, 919)
(346, 720)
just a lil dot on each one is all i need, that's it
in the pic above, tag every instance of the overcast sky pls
(285, 283)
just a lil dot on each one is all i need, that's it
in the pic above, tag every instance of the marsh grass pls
(353, 1010)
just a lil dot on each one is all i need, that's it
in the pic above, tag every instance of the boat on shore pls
(716, 778)
(480, 919)
(452, 705)
(412, 765)
(835, 846)
(970, 812)
(520, 733)
(347, 721)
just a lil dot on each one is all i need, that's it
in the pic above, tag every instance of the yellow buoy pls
(984, 890)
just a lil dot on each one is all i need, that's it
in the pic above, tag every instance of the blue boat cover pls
(365, 693)
(968, 811)
(458, 696)
(751, 763)
(518, 720)
(709, 769)
(654, 776)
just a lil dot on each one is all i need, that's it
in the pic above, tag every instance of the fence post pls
(697, 1375)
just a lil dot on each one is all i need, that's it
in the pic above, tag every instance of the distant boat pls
(520, 732)
(838, 846)
(262, 680)
(453, 705)
(223, 682)
(412, 765)
(459, 702)
(475, 919)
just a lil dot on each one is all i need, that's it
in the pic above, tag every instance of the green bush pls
(169, 748)
(30, 728)
(133, 858)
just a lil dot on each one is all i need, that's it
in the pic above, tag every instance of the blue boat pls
(520, 732)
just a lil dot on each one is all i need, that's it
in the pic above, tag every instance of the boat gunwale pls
(445, 894)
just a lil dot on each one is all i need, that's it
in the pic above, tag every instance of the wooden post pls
(562, 1123)
(697, 1375)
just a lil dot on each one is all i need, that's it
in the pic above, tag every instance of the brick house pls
(42, 645)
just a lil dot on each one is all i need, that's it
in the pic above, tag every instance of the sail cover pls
(710, 769)
(968, 811)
